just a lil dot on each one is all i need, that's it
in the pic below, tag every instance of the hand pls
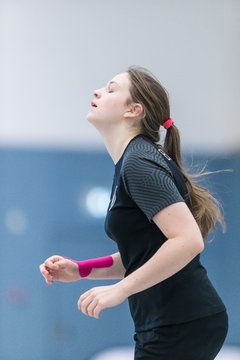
(58, 268)
(93, 301)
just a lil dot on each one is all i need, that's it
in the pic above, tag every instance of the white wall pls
(53, 53)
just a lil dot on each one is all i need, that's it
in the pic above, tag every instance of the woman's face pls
(110, 102)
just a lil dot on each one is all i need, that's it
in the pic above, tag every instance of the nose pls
(97, 93)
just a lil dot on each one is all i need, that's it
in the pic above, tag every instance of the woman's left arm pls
(184, 242)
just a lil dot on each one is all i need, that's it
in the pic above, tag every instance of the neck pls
(116, 141)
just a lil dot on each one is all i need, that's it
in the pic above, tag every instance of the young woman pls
(159, 219)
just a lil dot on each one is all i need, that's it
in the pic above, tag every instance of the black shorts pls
(200, 339)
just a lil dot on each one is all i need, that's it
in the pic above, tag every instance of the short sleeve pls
(150, 184)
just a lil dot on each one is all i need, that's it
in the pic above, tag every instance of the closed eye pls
(109, 89)
(110, 86)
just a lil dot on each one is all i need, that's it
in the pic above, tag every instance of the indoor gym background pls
(55, 174)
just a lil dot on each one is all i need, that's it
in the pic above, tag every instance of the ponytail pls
(205, 208)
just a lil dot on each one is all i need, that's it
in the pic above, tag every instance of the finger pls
(86, 294)
(91, 308)
(49, 281)
(52, 262)
(48, 278)
(49, 264)
(42, 267)
(43, 270)
(54, 258)
(46, 274)
(83, 304)
(97, 310)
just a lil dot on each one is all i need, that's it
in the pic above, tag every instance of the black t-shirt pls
(146, 180)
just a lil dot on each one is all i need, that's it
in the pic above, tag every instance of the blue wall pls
(48, 187)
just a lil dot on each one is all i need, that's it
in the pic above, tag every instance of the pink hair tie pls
(168, 123)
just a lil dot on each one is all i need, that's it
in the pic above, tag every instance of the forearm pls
(116, 271)
(172, 256)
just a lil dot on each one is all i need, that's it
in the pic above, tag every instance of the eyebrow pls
(112, 82)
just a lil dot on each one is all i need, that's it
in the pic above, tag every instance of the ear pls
(135, 110)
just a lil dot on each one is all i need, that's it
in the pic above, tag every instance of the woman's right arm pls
(59, 268)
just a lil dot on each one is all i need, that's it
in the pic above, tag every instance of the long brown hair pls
(146, 89)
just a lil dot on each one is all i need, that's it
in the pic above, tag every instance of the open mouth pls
(93, 104)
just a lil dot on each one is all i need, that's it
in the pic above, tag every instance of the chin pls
(89, 117)
(92, 120)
